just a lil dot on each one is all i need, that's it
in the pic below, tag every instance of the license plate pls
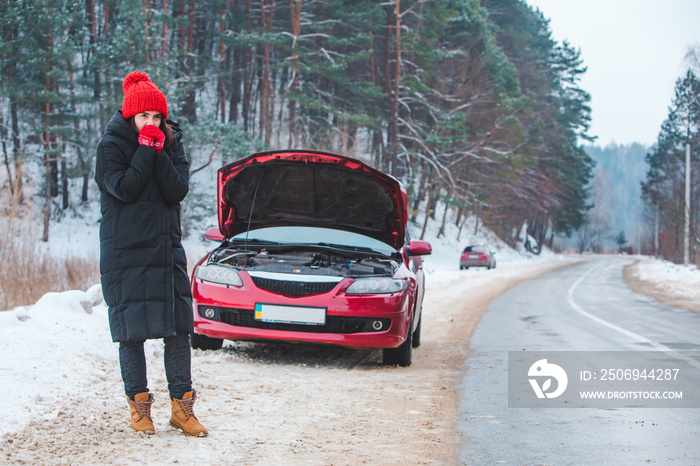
(473, 256)
(290, 314)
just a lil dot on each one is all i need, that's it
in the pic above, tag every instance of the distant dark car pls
(314, 248)
(477, 256)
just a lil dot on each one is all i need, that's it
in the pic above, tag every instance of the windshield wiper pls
(356, 249)
(239, 241)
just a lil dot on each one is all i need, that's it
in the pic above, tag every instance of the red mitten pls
(152, 137)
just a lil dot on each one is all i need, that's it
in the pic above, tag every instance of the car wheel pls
(416, 333)
(401, 356)
(205, 343)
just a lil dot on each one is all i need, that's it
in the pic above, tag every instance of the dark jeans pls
(177, 358)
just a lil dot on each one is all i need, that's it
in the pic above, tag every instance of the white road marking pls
(624, 331)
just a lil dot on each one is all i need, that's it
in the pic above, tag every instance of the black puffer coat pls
(142, 261)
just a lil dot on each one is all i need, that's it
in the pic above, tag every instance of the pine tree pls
(664, 188)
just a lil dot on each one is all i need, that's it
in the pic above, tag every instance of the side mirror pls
(214, 234)
(419, 248)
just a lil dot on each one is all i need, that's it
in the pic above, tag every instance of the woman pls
(143, 174)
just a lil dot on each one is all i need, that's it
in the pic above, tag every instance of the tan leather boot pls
(183, 415)
(140, 408)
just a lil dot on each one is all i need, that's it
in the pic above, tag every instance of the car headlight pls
(376, 285)
(217, 274)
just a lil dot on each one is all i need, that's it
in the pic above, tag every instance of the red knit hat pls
(141, 95)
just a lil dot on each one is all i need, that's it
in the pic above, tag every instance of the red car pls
(314, 248)
(477, 256)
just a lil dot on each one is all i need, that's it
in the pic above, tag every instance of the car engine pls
(306, 261)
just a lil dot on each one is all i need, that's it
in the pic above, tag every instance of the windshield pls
(315, 236)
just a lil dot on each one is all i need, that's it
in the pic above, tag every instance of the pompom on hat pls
(141, 95)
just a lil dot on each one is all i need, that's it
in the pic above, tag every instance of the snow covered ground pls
(681, 279)
(58, 345)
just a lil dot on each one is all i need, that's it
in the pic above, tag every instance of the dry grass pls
(26, 274)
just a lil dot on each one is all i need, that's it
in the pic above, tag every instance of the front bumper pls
(369, 321)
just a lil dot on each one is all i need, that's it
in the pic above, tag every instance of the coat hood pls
(310, 188)
(120, 127)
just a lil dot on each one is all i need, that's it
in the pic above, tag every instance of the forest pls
(469, 103)
(671, 192)
(615, 199)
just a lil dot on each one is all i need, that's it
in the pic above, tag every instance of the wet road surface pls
(582, 307)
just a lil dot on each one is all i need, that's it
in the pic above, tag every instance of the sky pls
(634, 51)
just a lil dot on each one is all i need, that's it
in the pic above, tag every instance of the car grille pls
(334, 324)
(289, 288)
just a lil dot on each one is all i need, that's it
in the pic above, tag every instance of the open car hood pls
(310, 188)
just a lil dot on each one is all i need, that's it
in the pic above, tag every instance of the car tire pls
(401, 356)
(205, 343)
(416, 334)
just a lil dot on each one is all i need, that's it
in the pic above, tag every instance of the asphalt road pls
(582, 307)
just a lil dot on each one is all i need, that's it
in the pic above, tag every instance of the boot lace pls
(187, 406)
(143, 408)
